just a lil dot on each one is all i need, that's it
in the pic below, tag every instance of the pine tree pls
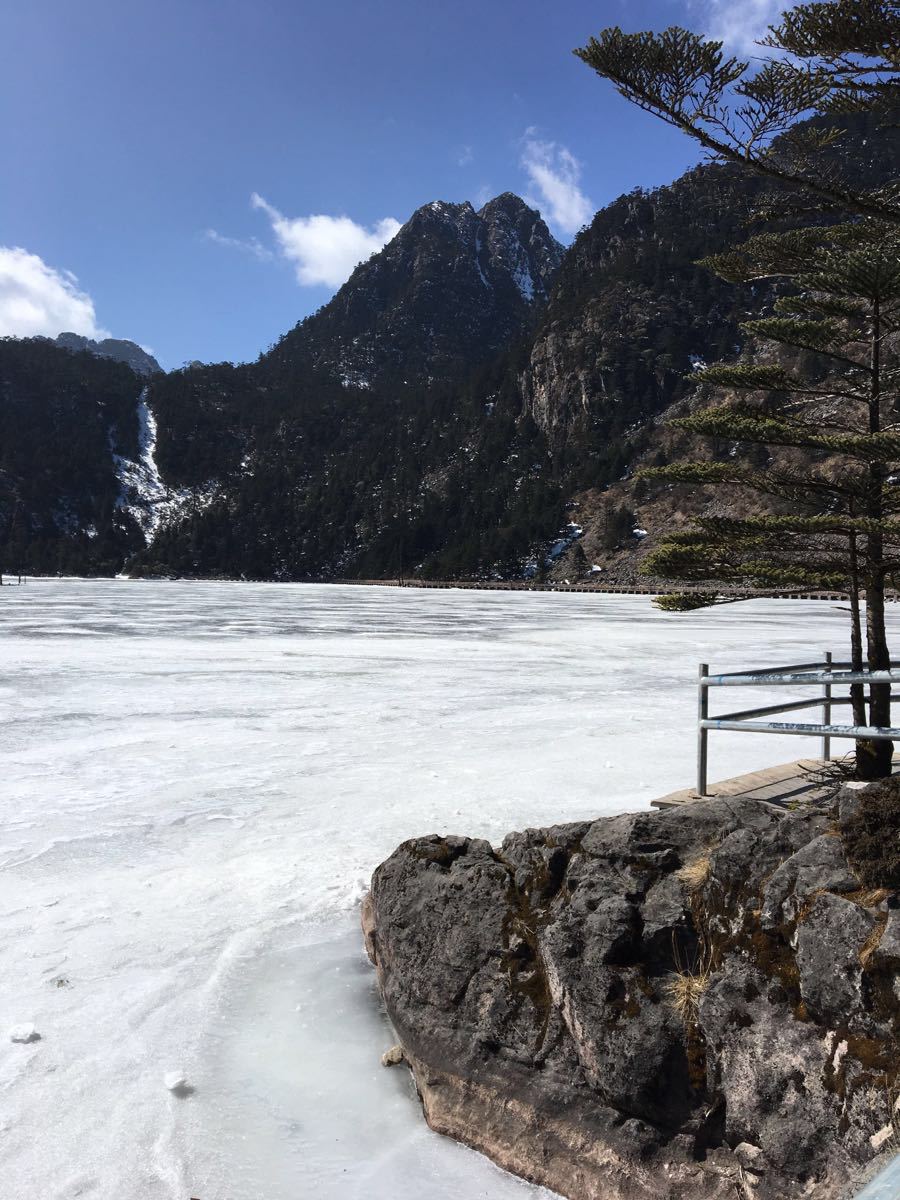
(829, 60)
(831, 525)
(835, 522)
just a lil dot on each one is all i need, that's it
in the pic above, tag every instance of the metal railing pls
(826, 674)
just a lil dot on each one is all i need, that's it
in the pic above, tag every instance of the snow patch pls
(354, 379)
(481, 275)
(24, 1033)
(143, 494)
(524, 280)
(569, 534)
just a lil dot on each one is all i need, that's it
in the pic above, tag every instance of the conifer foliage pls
(832, 391)
(831, 58)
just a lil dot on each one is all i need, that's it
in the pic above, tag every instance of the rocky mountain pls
(646, 286)
(471, 403)
(346, 448)
(451, 288)
(119, 350)
(390, 449)
(289, 466)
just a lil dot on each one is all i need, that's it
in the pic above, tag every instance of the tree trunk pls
(875, 758)
(878, 756)
(857, 690)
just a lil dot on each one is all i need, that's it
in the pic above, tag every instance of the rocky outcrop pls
(699, 1003)
(118, 349)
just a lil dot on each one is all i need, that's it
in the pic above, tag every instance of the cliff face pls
(631, 310)
(688, 1005)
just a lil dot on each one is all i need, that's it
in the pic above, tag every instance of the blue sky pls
(170, 154)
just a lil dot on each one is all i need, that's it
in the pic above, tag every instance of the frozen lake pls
(198, 780)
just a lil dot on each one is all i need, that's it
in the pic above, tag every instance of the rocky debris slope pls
(702, 1002)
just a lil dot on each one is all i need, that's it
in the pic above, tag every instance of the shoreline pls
(486, 585)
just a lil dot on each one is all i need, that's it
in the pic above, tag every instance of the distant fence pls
(527, 585)
(825, 674)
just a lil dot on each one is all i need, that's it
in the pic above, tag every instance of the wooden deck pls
(779, 787)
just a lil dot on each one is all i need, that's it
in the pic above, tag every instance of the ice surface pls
(198, 781)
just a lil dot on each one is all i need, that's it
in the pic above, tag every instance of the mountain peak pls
(507, 202)
(119, 349)
(453, 285)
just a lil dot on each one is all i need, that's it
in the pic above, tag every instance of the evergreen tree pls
(834, 523)
(830, 59)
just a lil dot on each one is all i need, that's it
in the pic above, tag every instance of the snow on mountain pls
(524, 281)
(519, 247)
(144, 494)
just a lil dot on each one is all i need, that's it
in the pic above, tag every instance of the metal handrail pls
(775, 676)
(827, 672)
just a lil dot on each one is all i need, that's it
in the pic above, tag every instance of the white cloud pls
(555, 173)
(323, 249)
(739, 23)
(36, 299)
(465, 155)
(250, 246)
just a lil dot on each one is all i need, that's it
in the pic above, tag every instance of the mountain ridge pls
(122, 350)
(465, 406)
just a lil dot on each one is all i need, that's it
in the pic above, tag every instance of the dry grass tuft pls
(685, 991)
(686, 987)
(695, 873)
(873, 941)
(869, 897)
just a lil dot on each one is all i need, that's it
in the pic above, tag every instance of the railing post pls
(702, 732)
(826, 712)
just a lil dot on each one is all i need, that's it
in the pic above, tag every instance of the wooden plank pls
(773, 785)
(777, 787)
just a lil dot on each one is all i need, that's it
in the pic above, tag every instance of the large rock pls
(698, 1003)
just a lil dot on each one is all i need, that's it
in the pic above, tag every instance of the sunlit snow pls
(144, 494)
(198, 782)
